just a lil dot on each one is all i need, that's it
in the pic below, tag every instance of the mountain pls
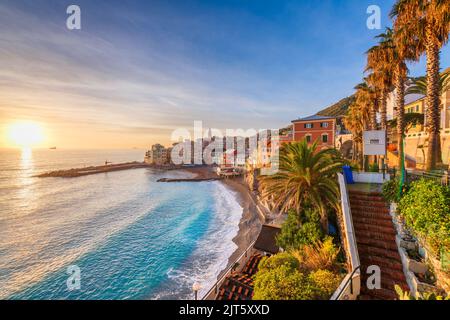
(338, 109)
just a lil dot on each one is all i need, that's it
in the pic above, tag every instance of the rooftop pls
(314, 118)
(266, 241)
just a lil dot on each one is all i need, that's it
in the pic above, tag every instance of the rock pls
(417, 267)
(408, 245)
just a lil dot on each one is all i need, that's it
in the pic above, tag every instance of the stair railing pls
(351, 285)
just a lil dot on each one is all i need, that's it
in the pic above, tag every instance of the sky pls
(137, 70)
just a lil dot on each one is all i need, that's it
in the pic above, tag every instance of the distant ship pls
(52, 148)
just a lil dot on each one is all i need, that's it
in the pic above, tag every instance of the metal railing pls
(349, 280)
(351, 247)
(440, 176)
(214, 290)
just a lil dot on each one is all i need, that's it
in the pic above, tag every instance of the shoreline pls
(250, 223)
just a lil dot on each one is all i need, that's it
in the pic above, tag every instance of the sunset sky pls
(140, 69)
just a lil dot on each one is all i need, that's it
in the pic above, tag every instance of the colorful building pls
(416, 106)
(416, 141)
(315, 128)
(158, 155)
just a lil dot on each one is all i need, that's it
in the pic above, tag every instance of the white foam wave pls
(213, 250)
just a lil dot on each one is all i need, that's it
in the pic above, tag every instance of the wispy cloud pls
(145, 68)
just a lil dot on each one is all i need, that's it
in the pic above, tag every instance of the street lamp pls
(196, 288)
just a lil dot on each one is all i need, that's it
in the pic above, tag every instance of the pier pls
(79, 172)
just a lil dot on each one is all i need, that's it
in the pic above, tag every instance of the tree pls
(382, 76)
(306, 178)
(425, 24)
(356, 121)
(381, 81)
(411, 119)
(366, 96)
(419, 85)
(299, 230)
(393, 54)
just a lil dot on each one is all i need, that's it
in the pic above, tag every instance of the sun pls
(25, 134)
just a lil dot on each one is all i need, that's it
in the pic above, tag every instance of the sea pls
(116, 235)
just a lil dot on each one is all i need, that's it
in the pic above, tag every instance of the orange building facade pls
(315, 128)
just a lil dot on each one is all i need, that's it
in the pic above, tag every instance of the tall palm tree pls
(381, 82)
(366, 96)
(426, 23)
(382, 77)
(393, 55)
(419, 85)
(306, 177)
(356, 121)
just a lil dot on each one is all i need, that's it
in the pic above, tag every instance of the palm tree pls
(366, 96)
(382, 77)
(393, 54)
(356, 121)
(419, 85)
(306, 177)
(426, 24)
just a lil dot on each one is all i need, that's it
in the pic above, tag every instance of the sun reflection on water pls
(26, 176)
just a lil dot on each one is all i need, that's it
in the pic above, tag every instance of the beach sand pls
(251, 221)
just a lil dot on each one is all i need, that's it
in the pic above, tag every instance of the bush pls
(283, 283)
(325, 282)
(300, 229)
(374, 167)
(426, 209)
(278, 260)
(275, 281)
(321, 255)
(390, 190)
(283, 277)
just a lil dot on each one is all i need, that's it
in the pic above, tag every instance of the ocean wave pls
(213, 251)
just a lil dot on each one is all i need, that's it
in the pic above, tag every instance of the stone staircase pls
(375, 237)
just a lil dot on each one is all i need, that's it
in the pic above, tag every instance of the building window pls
(325, 138)
(417, 108)
(309, 126)
(324, 124)
(308, 138)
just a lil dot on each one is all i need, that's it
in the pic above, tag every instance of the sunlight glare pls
(25, 134)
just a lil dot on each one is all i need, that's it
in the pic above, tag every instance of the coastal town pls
(382, 238)
(328, 127)
(341, 193)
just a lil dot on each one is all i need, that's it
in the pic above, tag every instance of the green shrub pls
(426, 209)
(405, 295)
(300, 229)
(390, 190)
(374, 167)
(278, 260)
(325, 283)
(283, 283)
(319, 255)
(283, 277)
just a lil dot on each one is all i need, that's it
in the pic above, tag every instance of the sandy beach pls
(251, 221)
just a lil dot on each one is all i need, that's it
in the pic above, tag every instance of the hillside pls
(338, 109)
